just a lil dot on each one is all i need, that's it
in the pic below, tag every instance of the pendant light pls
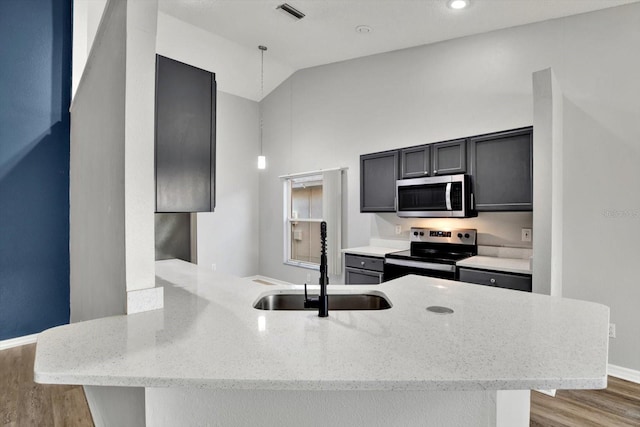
(262, 160)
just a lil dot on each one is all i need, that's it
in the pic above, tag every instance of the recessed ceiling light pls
(363, 29)
(458, 4)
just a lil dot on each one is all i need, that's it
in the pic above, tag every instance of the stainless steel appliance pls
(434, 197)
(432, 253)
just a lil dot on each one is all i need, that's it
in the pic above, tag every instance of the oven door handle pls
(447, 196)
(420, 264)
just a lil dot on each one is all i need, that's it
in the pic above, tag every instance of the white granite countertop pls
(370, 251)
(510, 265)
(209, 335)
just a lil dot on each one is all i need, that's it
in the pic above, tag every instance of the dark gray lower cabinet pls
(501, 167)
(378, 174)
(518, 282)
(185, 137)
(363, 270)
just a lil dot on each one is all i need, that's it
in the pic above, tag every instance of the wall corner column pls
(547, 183)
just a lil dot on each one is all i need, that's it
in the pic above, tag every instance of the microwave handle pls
(447, 196)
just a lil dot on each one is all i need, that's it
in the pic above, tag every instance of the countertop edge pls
(599, 382)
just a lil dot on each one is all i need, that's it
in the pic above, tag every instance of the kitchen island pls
(210, 358)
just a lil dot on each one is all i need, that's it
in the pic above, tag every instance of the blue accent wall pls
(35, 92)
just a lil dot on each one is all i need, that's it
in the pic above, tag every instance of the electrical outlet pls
(612, 330)
(398, 229)
(526, 234)
(214, 267)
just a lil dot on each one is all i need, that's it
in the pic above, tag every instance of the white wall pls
(228, 237)
(327, 116)
(139, 145)
(112, 170)
(86, 19)
(96, 242)
(237, 67)
(548, 182)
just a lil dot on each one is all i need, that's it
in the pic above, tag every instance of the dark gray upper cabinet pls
(440, 158)
(449, 157)
(378, 174)
(501, 166)
(415, 161)
(185, 137)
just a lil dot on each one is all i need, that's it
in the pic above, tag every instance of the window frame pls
(288, 220)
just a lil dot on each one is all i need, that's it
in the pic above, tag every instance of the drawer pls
(356, 276)
(495, 278)
(364, 262)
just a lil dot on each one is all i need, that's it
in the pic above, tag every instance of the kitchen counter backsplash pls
(398, 244)
(505, 252)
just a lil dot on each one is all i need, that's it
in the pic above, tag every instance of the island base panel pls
(170, 407)
(116, 406)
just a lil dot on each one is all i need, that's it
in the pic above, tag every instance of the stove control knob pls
(415, 233)
(459, 235)
(422, 233)
(466, 235)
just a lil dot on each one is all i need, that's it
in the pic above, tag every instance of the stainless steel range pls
(433, 253)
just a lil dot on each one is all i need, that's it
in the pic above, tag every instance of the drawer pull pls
(492, 280)
(362, 263)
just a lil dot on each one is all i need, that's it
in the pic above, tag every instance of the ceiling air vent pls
(291, 10)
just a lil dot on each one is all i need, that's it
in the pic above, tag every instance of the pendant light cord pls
(262, 49)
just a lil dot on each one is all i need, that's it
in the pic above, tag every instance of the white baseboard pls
(16, 342)
(624, 373)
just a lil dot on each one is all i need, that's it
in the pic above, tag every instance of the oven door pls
(440, 196)
(394, 268)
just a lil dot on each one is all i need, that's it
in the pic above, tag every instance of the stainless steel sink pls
(336, 302)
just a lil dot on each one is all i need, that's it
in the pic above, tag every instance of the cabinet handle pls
(492, 280)
(435, 171)
(362, 263)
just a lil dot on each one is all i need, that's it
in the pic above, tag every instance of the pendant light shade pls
(262, 160)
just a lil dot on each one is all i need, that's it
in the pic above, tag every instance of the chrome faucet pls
(322, 300)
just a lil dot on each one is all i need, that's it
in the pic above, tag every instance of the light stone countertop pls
(376, 251)
(509, 265)
(209, 335)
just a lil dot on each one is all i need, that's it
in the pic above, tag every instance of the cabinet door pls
(364, 262)
(185, 137)
(501, 166)
(415, 161)
(449, 157)
(362, 277)
(378, 175)
(495, 279)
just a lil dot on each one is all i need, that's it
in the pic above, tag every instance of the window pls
(309, 199)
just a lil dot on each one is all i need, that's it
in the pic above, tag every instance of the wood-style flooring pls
(617, 405)
(25, 403)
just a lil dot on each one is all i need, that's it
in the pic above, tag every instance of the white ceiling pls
(327, 33)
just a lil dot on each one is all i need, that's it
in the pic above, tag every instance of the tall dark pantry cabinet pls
(185, 137)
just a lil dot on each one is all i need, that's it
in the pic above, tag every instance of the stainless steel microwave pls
(447, 196)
